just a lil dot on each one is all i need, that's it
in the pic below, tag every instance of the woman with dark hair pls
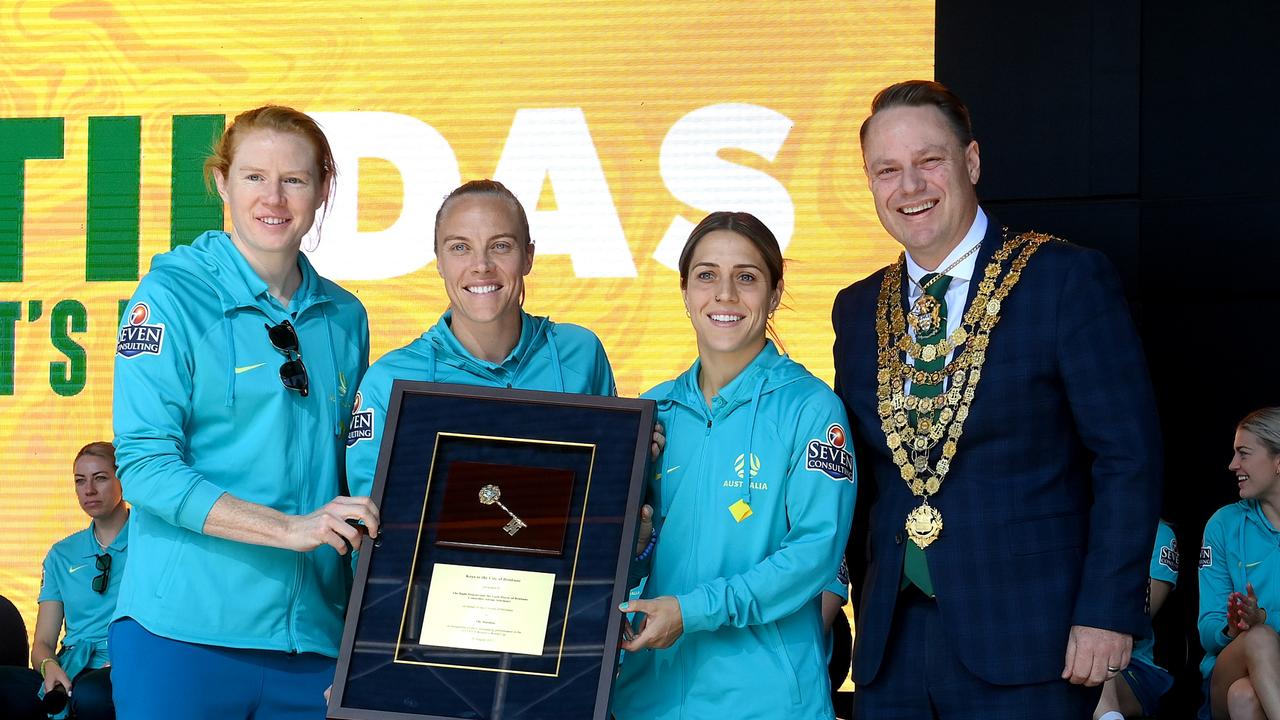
(235, 373)
(78, 587)
(752, 499)
(485, 338)
(1240, 581)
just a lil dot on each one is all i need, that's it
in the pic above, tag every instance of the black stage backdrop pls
(1148, 130)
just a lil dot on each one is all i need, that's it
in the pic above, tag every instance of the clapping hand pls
(1243, 611)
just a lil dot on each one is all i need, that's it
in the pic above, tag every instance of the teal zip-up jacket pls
(199, 410)
(1240, 546)
(775, 439)
(551, 357)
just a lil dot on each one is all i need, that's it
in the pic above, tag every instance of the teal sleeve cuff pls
(835, 587)
(694, 611)
(195, 509)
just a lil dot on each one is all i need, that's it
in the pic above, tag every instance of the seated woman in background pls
(1137, 690)
(752, 497)
(81, 580)
(1240, 581)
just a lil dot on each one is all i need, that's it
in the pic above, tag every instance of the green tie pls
(915, 570)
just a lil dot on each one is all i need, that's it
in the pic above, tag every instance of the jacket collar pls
(738, 391)
(449, 343)
(237, 284)
(119, 545)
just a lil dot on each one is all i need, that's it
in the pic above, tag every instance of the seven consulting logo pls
(1169, 555)
(361, 423)
(139, 338)
(831, 457)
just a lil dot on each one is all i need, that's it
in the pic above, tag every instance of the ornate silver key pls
(489, 495)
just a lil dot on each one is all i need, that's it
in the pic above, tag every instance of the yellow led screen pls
(618, 124)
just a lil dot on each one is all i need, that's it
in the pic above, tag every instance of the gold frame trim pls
(573, 575)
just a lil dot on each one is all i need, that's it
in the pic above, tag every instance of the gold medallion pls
(925, 317)
(923, 525)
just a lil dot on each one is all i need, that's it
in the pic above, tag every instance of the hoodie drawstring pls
(751, 428)
(338, 420)
(555, 358)
(231, 365)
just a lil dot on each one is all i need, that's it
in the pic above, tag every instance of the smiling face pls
(1257, 470)
(483, 258)
(729, 296)
(922, 179)
(273, 189)
(97, 488)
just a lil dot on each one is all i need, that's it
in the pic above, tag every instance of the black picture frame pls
(383, 671)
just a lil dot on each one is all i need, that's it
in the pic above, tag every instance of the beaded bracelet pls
(648, 549)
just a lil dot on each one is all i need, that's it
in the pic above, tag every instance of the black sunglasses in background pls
(103, 563)
(293, 374)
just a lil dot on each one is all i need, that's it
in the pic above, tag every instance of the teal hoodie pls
(1240, 546)
(557, 358)
(199, 410)
(775, 439)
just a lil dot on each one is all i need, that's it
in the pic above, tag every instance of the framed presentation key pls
(508, 523)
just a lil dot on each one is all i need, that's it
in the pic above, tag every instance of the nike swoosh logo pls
(673, 469)
(75, 568)
(1252, 564)
(247, 368)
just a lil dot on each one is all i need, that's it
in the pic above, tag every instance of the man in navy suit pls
(1002, 408)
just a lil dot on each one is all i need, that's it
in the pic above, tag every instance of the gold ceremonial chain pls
(912, 439)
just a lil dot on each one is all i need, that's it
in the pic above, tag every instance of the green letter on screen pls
(115, 184)
(21, 139)
(192, 208)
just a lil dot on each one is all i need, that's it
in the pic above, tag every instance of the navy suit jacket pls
(1050, 507)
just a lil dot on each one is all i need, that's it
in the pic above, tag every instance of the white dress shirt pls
(961, 275)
